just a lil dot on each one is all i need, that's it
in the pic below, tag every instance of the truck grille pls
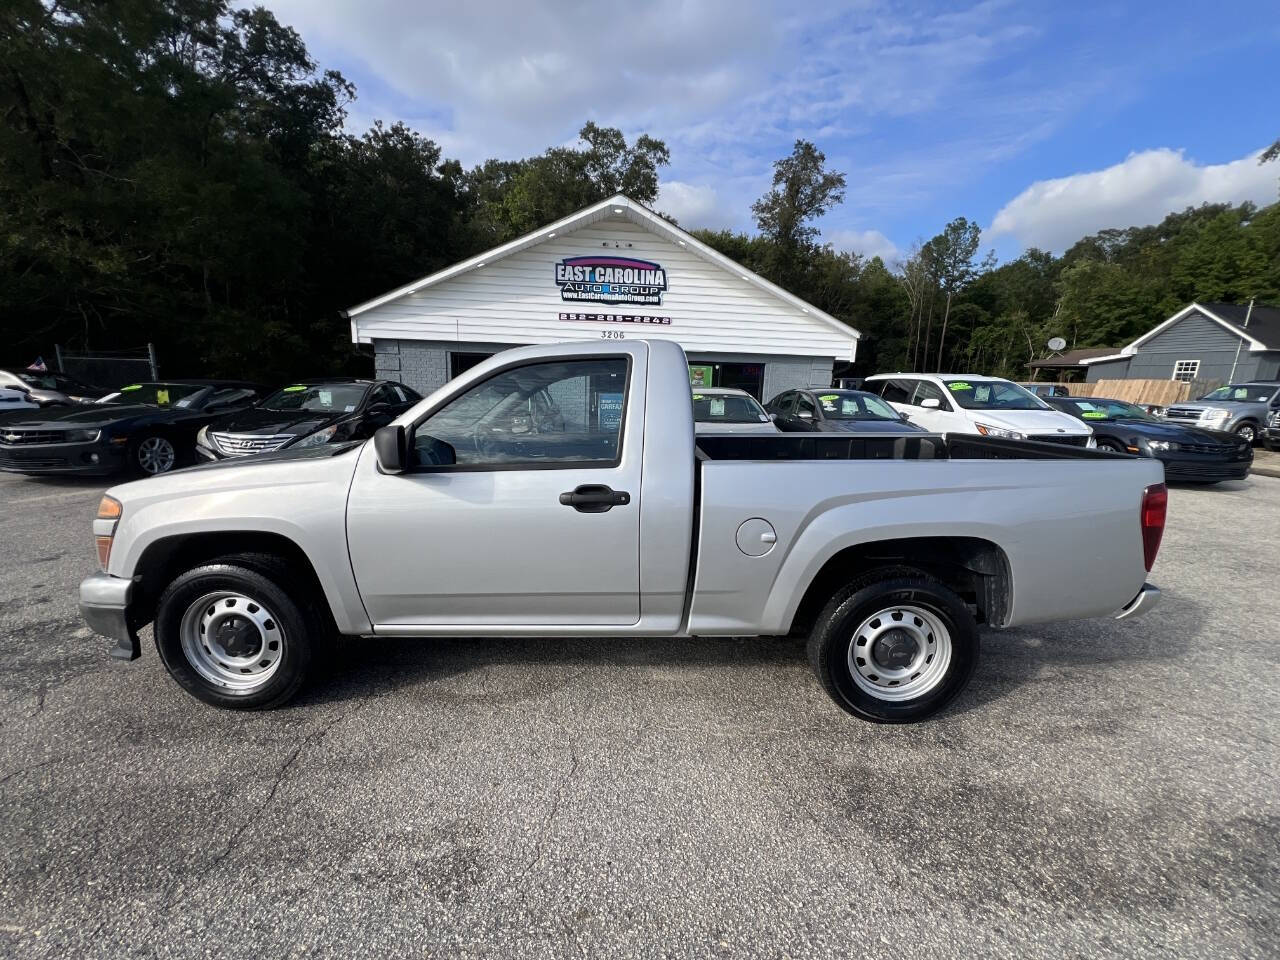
(1182, 413)
(244, 444)
(16, 436)
(1071, 441)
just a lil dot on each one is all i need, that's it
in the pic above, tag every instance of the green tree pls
(803, 190)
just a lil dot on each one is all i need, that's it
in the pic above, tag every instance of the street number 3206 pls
(613, 334)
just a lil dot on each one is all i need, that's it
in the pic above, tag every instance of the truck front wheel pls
(235, 633)
(894, 647)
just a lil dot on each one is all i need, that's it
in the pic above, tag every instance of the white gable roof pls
(392, 314)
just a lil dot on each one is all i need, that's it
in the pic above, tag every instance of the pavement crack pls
(540, 842)
(32, 767)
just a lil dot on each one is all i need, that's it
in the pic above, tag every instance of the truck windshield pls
(1243, 392)
(855, 405)
(727, 408)
(993, 395)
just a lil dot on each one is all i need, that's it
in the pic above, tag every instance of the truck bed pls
(878, 446)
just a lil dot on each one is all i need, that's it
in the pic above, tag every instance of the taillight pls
(1155, 504)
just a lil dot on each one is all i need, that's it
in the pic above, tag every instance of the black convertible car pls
(142, 428)
(307, 413)
(836, 411)
(1189, 454)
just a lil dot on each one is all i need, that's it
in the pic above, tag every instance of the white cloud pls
(869, 243)
(695, 206)
(1053, 214)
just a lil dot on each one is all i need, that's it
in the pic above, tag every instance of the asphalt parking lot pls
(1102, 789)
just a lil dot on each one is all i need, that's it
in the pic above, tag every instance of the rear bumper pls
(1148, 598)
(104, 604)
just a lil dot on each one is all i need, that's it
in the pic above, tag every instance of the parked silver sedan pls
(729, 410)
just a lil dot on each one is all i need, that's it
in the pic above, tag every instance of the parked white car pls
(729, 410)
(990, 406)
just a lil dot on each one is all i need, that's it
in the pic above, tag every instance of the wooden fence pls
(1163, 392)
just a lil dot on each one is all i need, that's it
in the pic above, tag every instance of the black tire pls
(294, 622)
(833, 637)
(1110, 446)
(1247, 431)
(142, 450)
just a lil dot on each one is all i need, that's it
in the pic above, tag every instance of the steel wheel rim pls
(156, 455)
(212, 620)
(902, 626)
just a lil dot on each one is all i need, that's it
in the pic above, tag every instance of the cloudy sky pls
(1042, 121)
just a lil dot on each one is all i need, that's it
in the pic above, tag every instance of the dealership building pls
(613, 271)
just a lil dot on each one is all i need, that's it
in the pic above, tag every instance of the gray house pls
(1203, 341)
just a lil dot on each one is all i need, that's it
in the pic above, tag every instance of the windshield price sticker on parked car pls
(162, 398)
(960, 386)
(297, 389)
(132, 386)
(717, 407)
(1093, 415)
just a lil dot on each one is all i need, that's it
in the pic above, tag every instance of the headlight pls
(1163, 446)
(202, 438)
(83, 436)
(317, 438)
(989, 431)
(1215, 413)
(1091, 443)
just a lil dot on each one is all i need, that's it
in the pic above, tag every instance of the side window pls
(897, 391)
(805, 404)
(561, 413)
(385, 394)
(782, 403)
(929, 391)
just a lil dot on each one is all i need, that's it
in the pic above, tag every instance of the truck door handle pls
(595, 498)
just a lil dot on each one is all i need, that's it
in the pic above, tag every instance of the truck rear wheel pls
(236, 633)
(894, 647)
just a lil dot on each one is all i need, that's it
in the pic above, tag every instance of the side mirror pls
(773, 417)
(931, 403)
(391, 444)
(904, 416)
(375, 409)
(805, 415)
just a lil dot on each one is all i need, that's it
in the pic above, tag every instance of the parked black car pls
(1190, 454)
(1271, 433)
(307, 413)
(143, 428)
(834, 411)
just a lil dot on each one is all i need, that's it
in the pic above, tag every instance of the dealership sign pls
(601, 279)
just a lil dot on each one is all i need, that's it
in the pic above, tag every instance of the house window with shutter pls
(1186, 370)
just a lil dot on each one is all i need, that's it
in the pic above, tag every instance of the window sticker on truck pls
(959, 386)
(1094, 415)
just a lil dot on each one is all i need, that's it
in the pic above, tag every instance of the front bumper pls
(97, 458)
(104, 604)
(1148, 598)
(1206, 469)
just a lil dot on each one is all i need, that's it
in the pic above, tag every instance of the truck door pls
(522, 505)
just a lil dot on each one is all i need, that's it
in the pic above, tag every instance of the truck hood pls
(1032, 422)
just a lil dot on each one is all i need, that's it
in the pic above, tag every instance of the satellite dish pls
(1057, 343)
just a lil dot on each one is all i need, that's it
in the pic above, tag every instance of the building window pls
(1186, 370)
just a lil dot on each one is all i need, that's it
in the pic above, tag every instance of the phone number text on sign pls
(616, 318)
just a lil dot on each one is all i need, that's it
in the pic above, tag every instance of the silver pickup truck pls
(559, 490)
